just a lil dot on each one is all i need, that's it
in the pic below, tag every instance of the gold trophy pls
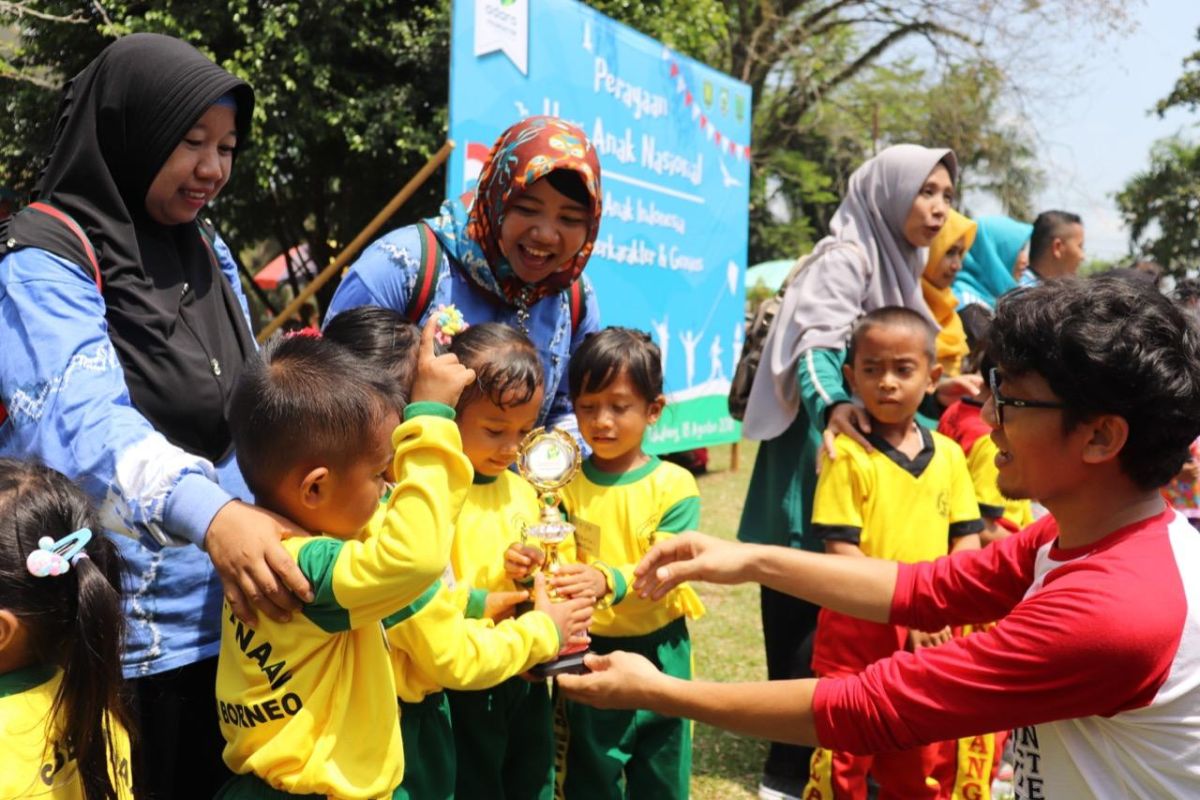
(549, 460)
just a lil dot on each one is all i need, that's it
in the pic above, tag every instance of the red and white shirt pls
(1095, 662)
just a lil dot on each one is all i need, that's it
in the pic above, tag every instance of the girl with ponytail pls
(63, 721)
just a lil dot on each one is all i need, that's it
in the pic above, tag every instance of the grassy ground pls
(727, 641)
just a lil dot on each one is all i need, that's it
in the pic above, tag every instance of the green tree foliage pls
(1162, 206)
(1186, 92)
(352, 96)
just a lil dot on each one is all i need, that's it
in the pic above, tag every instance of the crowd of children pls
(406, 676)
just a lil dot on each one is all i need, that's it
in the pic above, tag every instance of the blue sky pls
(1092, 140)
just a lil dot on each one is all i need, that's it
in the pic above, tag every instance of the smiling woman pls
(125, 330)
(511, 251)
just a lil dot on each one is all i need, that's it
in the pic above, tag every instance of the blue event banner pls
(673, 137)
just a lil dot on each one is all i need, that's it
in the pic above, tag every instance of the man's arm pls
(861, 587)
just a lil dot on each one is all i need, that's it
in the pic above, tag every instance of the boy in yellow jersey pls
(309, 706)
(621, 503)
(903, 494)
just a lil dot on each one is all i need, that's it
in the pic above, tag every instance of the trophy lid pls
(549, 459)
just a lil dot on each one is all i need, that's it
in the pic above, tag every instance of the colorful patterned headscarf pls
(469, 229)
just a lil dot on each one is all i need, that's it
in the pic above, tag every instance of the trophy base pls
(566, 664)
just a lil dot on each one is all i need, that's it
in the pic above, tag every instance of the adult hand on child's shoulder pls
(440, 378)
(255, 570)
(952, 389)
(849, 419)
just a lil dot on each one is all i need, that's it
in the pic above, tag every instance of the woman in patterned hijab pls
(513, 250)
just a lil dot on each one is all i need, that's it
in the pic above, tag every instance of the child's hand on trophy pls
(572, 617)
(580, 580)
(520, 561)
(499, 606)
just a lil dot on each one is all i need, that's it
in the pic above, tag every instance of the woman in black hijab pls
(125, 329)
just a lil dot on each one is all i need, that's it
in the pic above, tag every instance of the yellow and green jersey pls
(437, 647)
(309, 705)
(618, 518)
(445, 643)
(493, 516)
(35, 761)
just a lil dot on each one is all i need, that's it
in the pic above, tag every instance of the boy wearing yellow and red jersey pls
(35, 761)
(903, 499)
(309, 706)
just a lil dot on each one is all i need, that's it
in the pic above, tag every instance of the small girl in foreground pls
(621, 503)
(504, 735)
(63, 724)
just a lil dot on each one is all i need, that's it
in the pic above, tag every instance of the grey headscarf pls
(865, 263)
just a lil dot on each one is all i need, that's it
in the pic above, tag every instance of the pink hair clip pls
(55, 558)
(310, 332)
(450, 323)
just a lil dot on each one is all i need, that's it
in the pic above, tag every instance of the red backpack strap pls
(74, 228)
(431, 257)
(577, 307)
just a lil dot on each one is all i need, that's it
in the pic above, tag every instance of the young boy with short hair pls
(1096, 658)
(309, 706)
(905, 500)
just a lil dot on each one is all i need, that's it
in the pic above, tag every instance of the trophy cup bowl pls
(549, 459)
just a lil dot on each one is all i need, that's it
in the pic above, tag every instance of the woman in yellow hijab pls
(945, 260)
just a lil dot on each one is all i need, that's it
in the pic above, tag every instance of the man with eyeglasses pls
(1096, 659)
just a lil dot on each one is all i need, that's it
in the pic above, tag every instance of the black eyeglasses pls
(1001, 401)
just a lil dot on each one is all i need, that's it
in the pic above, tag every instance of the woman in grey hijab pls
(873, 257)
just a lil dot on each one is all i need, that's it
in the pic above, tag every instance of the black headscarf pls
(174, 320)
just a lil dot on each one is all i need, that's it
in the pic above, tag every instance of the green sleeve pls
(476, 603)
(428, 408)
(683, 516)
(316, 560)
(414, 607)
(819, 373)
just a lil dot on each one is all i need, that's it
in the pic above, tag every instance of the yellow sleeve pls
(964, 508)
(680, 511)
(466, 654)
(981, 462)
(842, 490)
(407, 546)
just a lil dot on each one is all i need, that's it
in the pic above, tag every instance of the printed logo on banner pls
(739, 107)
(503, 25)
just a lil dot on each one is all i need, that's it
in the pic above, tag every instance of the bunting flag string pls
(722, 142)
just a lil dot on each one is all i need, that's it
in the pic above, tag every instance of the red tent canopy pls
(276, 271)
